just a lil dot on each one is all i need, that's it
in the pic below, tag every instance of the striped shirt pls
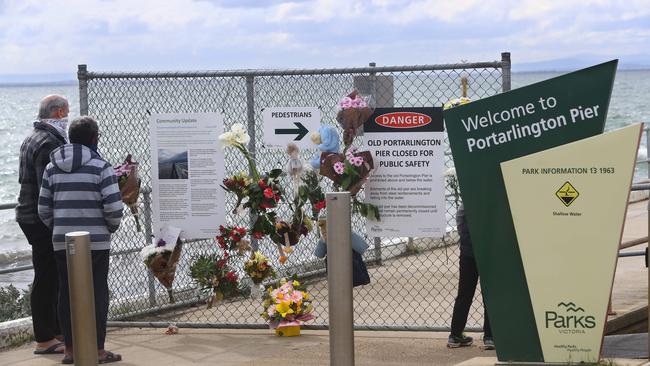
(80, 193)
(34, 157)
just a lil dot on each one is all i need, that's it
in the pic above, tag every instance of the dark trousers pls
(100, 260)
(45, 288)
(467, 282)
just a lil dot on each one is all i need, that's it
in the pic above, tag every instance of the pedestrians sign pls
(290, 124)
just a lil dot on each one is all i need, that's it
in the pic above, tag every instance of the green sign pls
(487, 132)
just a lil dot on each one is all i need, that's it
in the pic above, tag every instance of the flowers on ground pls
(287, 303)
(258, 268)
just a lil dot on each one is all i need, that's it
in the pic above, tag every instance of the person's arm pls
(41, 159)
(111, 199)
(45, 201)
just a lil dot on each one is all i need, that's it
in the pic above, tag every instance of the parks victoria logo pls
(569, 318)
(567, 194)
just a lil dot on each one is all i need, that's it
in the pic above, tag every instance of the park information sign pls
(283, 125)
(408, 182)
(487, 132)
(186, 170)
(557, 197)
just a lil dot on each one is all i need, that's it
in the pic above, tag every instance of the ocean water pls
(19, 108)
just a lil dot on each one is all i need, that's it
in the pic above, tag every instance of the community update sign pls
(408, 182)
(542, 186)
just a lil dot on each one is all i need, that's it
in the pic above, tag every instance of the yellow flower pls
(284, 308)
(305, 296)
(295, 283)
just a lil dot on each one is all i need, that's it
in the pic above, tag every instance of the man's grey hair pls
(83, 130)
(50, 104)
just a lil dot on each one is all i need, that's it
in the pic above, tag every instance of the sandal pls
(110, 357)
(56, 348)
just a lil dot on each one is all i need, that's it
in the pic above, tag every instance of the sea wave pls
(15, 258)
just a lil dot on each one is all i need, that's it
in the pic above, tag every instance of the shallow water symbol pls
(567, 194)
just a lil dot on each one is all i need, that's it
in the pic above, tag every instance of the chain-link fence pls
(413, 280)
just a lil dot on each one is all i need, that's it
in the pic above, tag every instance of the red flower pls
(231, 276)
(241, 231)
(277, 198)
(221, 263)
(262, 184)
(268, 193)
(258, 234)
(266, 205)
(320, 205)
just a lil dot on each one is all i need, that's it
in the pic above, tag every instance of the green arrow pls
(301, 131)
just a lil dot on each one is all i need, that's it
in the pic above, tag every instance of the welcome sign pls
(487, 132)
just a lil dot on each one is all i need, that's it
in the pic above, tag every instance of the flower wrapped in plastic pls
(287, 303)
(129, 183)
(354, 111)
(161, 258)
(214, 273)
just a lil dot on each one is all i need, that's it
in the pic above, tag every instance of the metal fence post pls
(339, 279)
(250, 120)
(148, 231)
(82, 298)
(506, 71)
(376, 240)
(82, 75)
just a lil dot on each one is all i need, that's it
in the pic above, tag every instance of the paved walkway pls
(260, 347)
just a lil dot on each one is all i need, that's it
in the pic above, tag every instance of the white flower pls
(240, 134)
(236, 135)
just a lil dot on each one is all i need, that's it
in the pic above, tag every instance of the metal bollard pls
(82, 297)
(339, 279)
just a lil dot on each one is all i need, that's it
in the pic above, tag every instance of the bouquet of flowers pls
(233, 238)
(456, 102)
(258, 268)
(237, 184)
(161, 258)
(265, 193)
(129, 183)
(354, 111)
(311, 191)
(287, 304)
(212, 272)
(350, 171)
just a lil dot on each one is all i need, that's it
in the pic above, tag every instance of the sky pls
(54, 36)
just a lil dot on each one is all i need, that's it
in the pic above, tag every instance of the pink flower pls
(346, 102)
(356, 161)
(296, 296)
(339, 167)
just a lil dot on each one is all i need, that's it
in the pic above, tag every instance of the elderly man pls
(49, 133)
(80, 193)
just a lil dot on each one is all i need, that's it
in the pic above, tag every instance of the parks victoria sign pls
(537, 176)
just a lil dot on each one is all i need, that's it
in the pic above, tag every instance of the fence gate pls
(413, 280)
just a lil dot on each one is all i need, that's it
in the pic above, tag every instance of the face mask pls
(60, 124)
